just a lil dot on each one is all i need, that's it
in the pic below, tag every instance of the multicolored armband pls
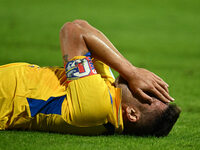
(79, 68)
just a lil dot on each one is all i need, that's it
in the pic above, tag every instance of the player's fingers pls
(144, 96)
(158, 78)
(164, 93)
(164, 86)
(159, 95)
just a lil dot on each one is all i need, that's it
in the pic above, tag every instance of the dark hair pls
(161, 126)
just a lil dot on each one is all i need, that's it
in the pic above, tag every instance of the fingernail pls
(172, 99)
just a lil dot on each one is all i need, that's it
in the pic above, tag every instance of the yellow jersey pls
(40, 98)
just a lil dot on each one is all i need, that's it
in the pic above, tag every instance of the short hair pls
(161, 126)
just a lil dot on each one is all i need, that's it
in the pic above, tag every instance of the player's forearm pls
(108, 55)
(92, 30)
(102, 37)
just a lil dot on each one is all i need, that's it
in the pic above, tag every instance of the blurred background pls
(162, 36)
(151, 29)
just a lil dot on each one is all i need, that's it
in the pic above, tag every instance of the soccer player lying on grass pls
(83, 97)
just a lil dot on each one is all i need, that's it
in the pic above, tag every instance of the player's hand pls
(142, 82)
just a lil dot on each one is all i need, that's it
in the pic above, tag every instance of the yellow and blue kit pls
(77, 99)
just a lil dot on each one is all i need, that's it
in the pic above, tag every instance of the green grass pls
(162, 36)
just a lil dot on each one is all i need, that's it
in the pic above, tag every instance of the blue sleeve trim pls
(111, 98)
(88, 54)
(111, 73)
(52, 106)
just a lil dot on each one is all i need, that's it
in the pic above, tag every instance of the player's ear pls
(131, 114)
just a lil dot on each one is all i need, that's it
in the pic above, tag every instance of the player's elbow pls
(71, 26)
(69, 29)
(82, 23)
(66, 27)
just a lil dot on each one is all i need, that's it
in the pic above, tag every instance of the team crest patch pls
(79, 68)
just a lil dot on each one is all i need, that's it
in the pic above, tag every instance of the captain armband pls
(79, 68)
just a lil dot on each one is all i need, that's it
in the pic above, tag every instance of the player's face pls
(148, 111)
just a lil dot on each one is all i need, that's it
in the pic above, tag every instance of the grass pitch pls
(162, 36)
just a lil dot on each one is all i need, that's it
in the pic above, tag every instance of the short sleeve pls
(104, 70)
